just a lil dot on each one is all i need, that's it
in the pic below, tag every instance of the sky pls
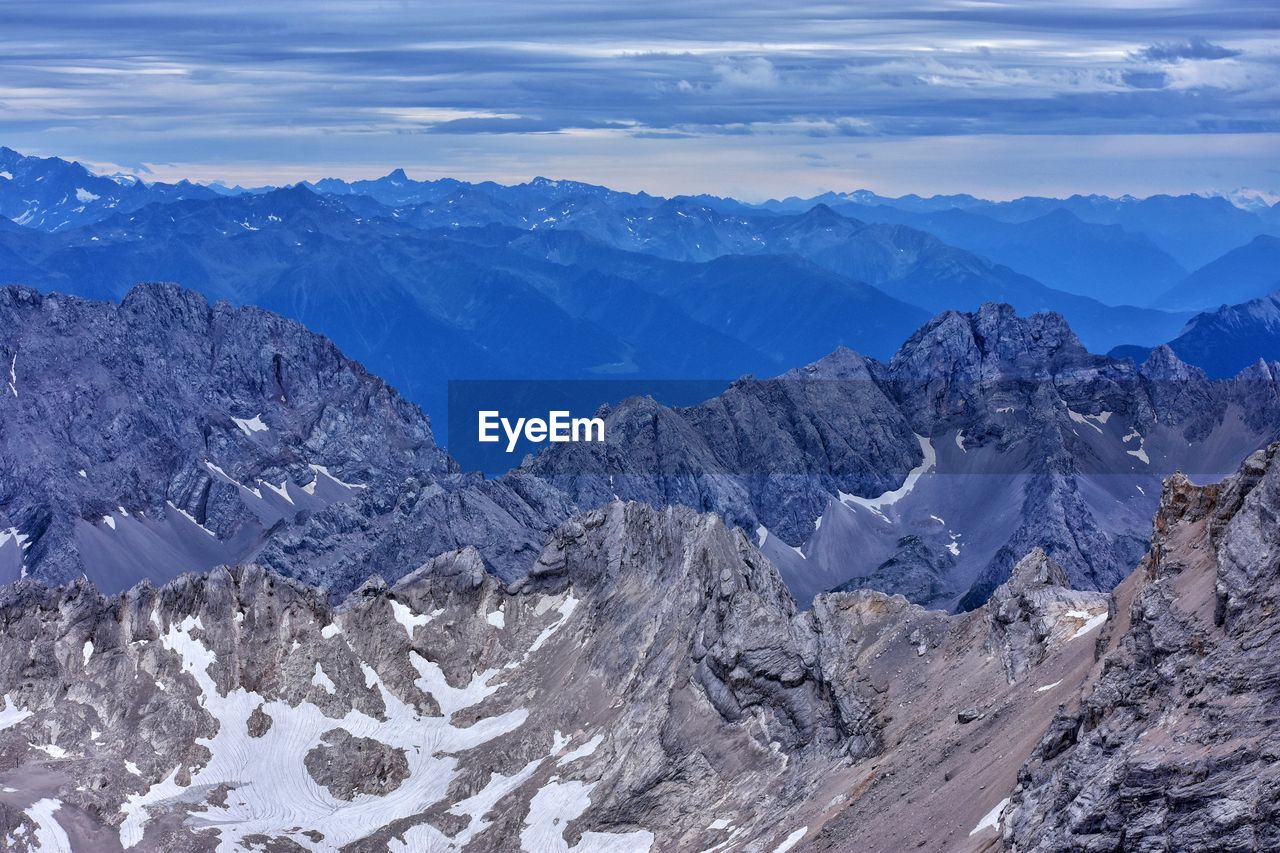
(736, 97)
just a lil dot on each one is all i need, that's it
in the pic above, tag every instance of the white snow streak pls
(11, 714)
(188, 516)
(1093, 621)
(992, 818)
(1141, 453)
(320, 679)
(50, 837)
(17, 536)
(452, 699)
(13, 375)
(791, 840)
(892, 497)
(251, 425)
(583, 751)
(566, 609)
(310, 488)
(406, 617)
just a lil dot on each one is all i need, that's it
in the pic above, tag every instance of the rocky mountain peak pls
(993, 342)
(1036, 611)
(1037, 569)
(1163, 364)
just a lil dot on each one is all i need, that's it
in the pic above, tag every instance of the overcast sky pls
(740, 97)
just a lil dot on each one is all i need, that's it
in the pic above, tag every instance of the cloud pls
(1143, 79)
(294, 81)
(1196, 47)
(751, 73)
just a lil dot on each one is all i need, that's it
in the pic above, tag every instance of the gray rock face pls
(650, 685)
(649, 660)
(987, 435)
(1034, 611)
(1175, 747)
(349, 766)
(165, 435)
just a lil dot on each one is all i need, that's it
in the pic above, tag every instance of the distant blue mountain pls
(1103, 262)
(53, 195)
(1191, 229)
(1247, 272)
(428, 280)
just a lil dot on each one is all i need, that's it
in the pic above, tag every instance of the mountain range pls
(916, 568)
(651, 686)
(426, 281)
(243, 436)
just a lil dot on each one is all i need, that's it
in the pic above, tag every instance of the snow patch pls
(1094, 421)
(960, 441)
(50, 837)
(87, 651)
(310, 488)
(452, 699)
(270, 787)
(992, 818)
(791, 840)
(52, 749)
(13, 375)
(583, 751)
(498, 618)
(282, 490)
(1141, 453)
(257, 493)
(188, 516)
(406, 617)
(1091, 621)
(565, 608)
(11, 714)
(330, 631)
(1048, 687)
(24, 541)
(321, 679)
(251, 425)
(84, 196)
(554, 806)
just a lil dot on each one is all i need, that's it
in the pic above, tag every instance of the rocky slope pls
(986, 435)
(651, 686)
(1173, 744)
(165, 434)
